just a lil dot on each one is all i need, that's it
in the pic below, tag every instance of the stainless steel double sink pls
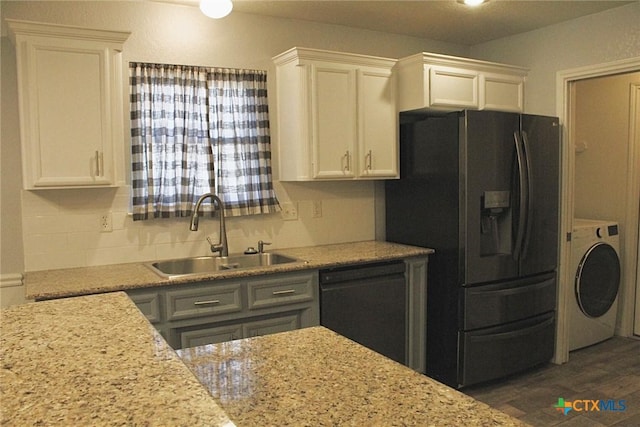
(211, 264)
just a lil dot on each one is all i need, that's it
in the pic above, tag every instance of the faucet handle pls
(261, 246)
(215, 247)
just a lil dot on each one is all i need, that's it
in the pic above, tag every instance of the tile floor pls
(609, 370)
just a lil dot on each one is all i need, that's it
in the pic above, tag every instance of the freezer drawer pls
(496, 352)
(495, 304)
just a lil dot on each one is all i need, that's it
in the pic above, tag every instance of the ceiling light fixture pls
(216, 8)
(473, 2)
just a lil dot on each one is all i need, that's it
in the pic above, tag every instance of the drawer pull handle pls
(213, 301)
(287, 292)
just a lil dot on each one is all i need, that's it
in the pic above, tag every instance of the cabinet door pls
(502, 93)
(333, 119)
(455, 87)
(377, 124)
(282, 323)
(66, 91)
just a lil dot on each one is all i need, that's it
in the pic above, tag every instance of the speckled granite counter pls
(316, 377)
(94, 360)
(62, 283)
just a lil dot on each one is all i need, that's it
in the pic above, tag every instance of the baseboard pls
(11, 290)
(10, 280)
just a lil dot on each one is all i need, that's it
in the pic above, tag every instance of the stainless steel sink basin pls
(255, 260)
(211, 264)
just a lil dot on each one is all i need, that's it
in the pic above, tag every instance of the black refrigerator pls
(481, 188)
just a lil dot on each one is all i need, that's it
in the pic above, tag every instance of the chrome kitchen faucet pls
(222, 246)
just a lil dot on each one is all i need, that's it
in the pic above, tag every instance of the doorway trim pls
(564, 79)
(632, 304)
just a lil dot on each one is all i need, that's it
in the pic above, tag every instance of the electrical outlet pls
(316, 209)
(106, 223)
(289, 211)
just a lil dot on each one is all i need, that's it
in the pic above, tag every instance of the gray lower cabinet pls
(208, 312)
(416, 274)
(148, 302)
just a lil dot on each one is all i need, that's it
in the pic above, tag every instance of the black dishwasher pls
(367, 304)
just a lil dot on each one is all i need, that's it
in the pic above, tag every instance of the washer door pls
(597, 280)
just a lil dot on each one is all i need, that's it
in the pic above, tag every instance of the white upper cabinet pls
(70, 97)
(439, 82)
(336, 115)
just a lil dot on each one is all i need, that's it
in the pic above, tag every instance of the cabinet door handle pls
(209, 302)
(285, 292)
(347, 155)
(368, 160)
(99, 163)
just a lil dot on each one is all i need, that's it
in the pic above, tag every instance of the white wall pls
(594, 39)
(60, 227)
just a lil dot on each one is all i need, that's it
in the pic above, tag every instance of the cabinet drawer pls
(497, 304)
(496, 352)
(271, 326)
(148, 304)
(212, 335)
(203, 301)
(281, 291)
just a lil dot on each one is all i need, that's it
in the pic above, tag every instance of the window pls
(196, 130)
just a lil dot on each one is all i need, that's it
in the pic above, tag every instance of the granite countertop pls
(94, 360)
(314, 376)
(48, 284)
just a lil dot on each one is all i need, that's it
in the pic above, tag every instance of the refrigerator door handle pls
(522, 197)
(529, 203)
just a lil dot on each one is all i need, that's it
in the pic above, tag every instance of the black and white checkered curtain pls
(196, 130)
(239, 132)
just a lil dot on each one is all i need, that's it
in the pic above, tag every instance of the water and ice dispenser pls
(495, 223)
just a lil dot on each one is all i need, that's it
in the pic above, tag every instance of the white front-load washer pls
(595, 260)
